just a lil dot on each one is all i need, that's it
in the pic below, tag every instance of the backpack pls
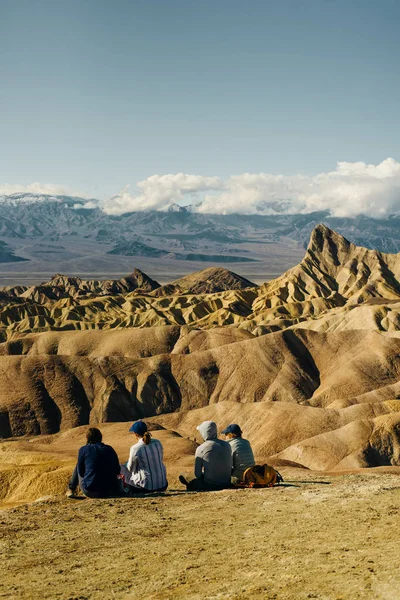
(261, 476)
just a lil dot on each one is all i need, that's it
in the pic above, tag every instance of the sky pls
(265, 105)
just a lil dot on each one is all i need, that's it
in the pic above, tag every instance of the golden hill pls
(343, 384)
(307, 363)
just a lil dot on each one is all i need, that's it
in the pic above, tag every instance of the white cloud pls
(350, 190)
(87, 205)
(160, 191)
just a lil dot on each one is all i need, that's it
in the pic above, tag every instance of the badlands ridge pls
(308, 364)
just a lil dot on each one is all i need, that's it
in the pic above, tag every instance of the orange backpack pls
(261, 476)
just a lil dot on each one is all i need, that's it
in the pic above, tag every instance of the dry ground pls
(320, 536)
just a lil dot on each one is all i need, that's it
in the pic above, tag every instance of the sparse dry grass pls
(332, 538)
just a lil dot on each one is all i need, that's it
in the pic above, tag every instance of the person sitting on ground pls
(97, 469)
(213, 462)
(145, 470)
(242, 454)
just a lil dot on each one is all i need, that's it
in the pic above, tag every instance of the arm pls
(81, 461)
(132, 461)
(198, 464)
(116, 465)
(233, 459)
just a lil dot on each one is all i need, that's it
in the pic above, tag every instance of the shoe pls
(183, 480)
(71, 493)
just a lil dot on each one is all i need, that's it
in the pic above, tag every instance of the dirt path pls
(321, 537)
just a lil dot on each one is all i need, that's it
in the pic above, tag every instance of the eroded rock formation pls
(308, 363)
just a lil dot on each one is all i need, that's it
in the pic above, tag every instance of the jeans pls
(196, 484)
(76, 481)
(141, 490)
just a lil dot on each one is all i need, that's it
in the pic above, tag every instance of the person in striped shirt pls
(145, 470)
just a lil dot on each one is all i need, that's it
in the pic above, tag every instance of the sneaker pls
(70, 493)
(183, 480)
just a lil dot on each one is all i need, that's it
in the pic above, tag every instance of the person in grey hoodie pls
(242, 454)
(213, 462)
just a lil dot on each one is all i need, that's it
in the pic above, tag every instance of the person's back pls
(145, 470)
(242, 456)
(213, 459)
(150, 470)
(98, 468)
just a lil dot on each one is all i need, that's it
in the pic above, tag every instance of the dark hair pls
(93, 435)
(147, 438)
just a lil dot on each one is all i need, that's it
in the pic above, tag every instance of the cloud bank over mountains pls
(348, 191)
(352, 189)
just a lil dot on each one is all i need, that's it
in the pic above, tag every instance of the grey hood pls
(208, 430)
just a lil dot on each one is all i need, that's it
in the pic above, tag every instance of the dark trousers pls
(76, 481)
(140, 490)
(195, 484)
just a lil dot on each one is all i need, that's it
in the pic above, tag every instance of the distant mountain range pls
(59, 233)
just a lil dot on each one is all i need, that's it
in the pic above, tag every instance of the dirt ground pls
(331, 537)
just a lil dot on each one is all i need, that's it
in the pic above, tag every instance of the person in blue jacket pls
(97, 469)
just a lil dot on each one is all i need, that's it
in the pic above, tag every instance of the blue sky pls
(99, 94)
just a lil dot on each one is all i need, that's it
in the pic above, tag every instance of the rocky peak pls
(141, 280)
(329, 245)
(64, 281)
(206, 281)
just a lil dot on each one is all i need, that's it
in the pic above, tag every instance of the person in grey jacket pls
(242, 454)
(213, 462)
